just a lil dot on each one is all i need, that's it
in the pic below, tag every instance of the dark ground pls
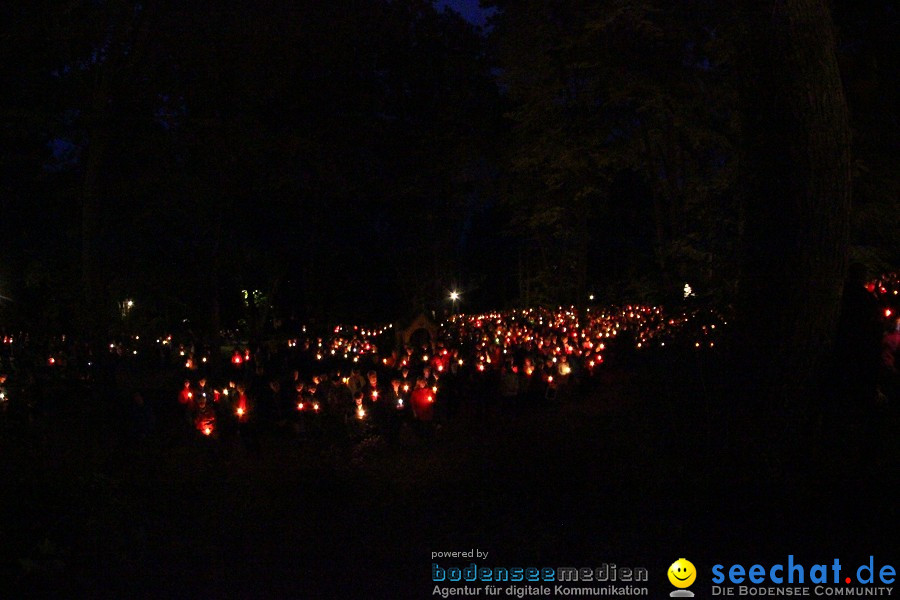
(635, 472)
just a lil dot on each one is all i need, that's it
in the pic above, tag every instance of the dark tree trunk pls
(93, 314)
(796, 229)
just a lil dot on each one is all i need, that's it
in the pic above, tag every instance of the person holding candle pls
(398, 398)
(4, 394)
(204, 415)
(356, 382)
(406, 381)
(890, 374)
(422, 404)
(858, 341)
(246, 425)
(186, 400)
(375, 400)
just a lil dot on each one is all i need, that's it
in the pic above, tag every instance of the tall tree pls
(616, 103)
(797, 212)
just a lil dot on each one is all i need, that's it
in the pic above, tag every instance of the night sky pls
(469, 9)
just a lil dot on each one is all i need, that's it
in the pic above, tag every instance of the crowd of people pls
(356, 381)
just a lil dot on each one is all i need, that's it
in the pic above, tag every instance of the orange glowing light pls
(240, 412)
(888, 312)
(207, 430)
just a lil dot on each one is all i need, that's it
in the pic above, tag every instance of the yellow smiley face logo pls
(682, 573)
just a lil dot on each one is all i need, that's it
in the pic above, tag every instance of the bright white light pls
(688, 292)
(454, 295)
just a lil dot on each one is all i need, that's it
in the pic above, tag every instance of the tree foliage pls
(298, 148)
(613, 104)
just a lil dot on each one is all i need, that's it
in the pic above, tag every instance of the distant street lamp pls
(454, 298)
(125, 306)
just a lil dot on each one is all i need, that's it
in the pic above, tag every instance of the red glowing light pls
(888, 312)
